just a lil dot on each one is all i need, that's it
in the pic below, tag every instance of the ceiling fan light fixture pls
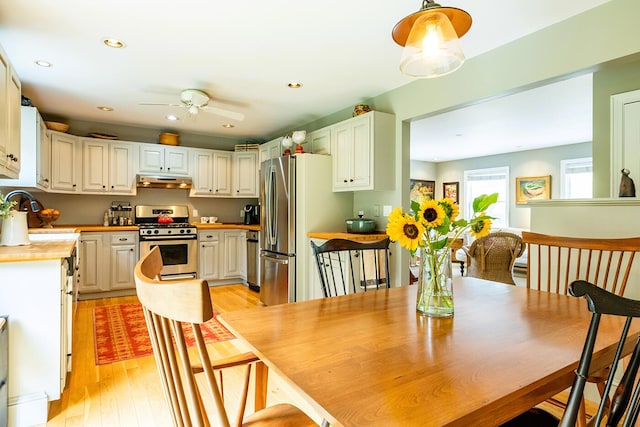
(193, 109)
(431, 40)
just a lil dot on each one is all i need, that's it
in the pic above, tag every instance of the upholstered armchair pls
(492, 257)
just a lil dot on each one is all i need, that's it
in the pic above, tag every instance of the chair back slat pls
(555, 261)
(345, 266)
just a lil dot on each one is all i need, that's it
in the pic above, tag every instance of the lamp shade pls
(433, 48)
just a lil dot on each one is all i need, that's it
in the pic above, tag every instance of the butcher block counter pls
(37, 251)
(356, 237)
(225, 226)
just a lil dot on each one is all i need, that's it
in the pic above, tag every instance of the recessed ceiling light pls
(228, 125)
(105, 108)
(115, 43)
(42, 63)
(172, 117)
(294, 85)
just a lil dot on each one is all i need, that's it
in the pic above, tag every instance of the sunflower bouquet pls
(432, 227)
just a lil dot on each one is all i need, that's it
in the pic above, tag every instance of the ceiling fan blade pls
(170, 105)
(224, 113)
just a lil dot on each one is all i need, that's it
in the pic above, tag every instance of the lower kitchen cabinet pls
(107, 260)
(222, 255)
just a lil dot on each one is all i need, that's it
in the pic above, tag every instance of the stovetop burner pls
(148, 219)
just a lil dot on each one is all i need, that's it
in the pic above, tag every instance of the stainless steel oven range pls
(168, 228)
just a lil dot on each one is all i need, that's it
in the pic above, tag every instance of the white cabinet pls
(65, 159)
(209, 255)
(107, 167)
(222, 254)
(167, 160)
(320, 141)
(245, 174)
(212, 173)
(107, 260)
(363, 155)
(234, 262)
(123, 256)
(270, 150)
(36, 150)
(92, 265)
(9, 119)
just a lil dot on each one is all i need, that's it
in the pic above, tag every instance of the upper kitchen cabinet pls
(270, 150)
(107, 167)
(65, 162)
(245, 174)
(320, 141)
(35, 145)
(10, 102)
(166, 160)
(212, 173)
(362, 151)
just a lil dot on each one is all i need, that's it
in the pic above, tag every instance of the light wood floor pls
(129, 393)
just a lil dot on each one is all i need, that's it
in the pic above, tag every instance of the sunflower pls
(403, 228)
(481, 228)
(450, 207)
(431, 213)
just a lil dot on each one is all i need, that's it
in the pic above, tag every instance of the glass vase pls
(435, 289)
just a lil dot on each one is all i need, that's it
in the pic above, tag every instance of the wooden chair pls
(168, 307)
(602, 302)
(493, 255)
(346, 266)
(555, 261)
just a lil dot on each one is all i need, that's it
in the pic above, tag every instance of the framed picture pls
(533, 188)
(422, 190)
(450, 190)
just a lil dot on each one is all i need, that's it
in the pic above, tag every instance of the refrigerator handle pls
(275, 260)
(272, 207)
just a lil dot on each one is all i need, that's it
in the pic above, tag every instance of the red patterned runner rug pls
(121, 333)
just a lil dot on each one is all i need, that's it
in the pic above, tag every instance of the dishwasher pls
(252, 261)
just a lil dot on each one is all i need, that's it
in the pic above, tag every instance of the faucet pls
(32, 200)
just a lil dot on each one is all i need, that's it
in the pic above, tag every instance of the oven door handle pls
(177, 238)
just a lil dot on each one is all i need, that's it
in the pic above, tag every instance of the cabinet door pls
(151, 158)
(43, 155)
(320, 141)
(63, 162)
(361, 157)
(234, 254)
(176, 160)
(13, 143)
(91, 263)
(95, 166)
(342, 147)
(203, 173)
(222, 173)
(245, 172)
(123, 261)
(209, 260)
(121, 168)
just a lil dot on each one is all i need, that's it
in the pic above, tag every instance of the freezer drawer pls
(275, 270)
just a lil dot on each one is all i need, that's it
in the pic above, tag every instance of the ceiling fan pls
(195, 100)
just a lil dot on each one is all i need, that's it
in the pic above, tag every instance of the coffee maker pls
(252, 214)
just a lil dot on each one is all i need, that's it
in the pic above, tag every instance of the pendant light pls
(431, 40)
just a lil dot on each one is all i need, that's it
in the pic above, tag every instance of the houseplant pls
(431, 227)
(5, 206)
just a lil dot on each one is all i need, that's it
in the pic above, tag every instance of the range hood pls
(156, 181)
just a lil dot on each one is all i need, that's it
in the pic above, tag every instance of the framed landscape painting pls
(450, 190)
(533, 188)
(422, 190)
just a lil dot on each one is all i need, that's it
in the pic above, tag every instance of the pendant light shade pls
(431, 40)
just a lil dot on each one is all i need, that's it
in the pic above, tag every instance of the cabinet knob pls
(112, 187)
(168, 169)
(46, 180)
(160, 167)
(74, 185)
(344, 180)
(131, 249)
(104, 186)
(123, 239)
(351, 180)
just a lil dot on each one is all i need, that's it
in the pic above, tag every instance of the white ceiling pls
(242, 52)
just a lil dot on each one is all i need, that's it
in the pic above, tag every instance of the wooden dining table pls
(370, 359)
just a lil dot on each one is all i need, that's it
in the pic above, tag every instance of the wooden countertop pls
(356, 237)
(37, 251)
(227, 225)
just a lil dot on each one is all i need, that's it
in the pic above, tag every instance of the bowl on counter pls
(360, 225)
(48, 217)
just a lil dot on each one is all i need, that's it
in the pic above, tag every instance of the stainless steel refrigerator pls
(296, 197)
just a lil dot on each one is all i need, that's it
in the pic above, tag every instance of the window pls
(488, 181)
(576, 178)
